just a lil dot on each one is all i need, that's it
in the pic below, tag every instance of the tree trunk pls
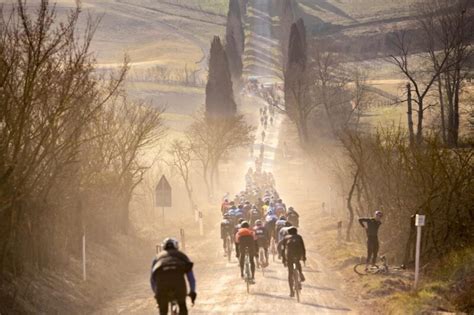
(349, 207)
(441, 104)
(410, 115)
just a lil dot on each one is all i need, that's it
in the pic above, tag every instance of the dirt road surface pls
(220, 289)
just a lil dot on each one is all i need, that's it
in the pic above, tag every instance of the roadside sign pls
(419, 220)
(163, 193)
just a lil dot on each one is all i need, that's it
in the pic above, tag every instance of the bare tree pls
(211, 139)
(448, 27)
(421, 80)
(181, 159)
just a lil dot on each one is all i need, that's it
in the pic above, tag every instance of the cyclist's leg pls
(183, 309)
(162, 301)
(369, 251)
(376, 250)
(241, 263)
(266, 255)
(290, 276)
(252, 265)
(300, 269)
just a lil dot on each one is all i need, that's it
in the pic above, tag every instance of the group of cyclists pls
(258, 218)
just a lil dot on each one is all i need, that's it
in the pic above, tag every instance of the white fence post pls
(419, 222)
(84, 271)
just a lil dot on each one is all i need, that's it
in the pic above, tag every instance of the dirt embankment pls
(63, 291)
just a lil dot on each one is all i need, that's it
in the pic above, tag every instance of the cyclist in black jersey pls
(371, 226)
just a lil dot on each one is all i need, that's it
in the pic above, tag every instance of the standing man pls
(371, 226)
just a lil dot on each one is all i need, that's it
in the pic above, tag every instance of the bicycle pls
(273, 249)
(296, 281)
(362, 269)
(262, 260)
(247, 270)
(229, 247)
(173, 307)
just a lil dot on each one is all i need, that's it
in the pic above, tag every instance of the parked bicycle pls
(363, 269)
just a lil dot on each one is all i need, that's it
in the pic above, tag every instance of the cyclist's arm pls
(303, 248)
(152, 279)
(191, 281)
(362, 221)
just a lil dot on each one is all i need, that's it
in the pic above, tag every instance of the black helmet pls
(292, 230)
(245, 224)
(169, 243)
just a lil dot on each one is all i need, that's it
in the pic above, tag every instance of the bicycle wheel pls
(362, 269)
(173, 307)
(229, 250)
(297, 284)
(261, 260)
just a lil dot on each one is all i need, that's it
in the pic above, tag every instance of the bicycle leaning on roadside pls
(363, 269)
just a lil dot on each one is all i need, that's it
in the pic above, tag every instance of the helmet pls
(282, 218)
(169, 243)
(245, 224)
(378, 213)
(292, 230)
(258, 222)
(291, 209)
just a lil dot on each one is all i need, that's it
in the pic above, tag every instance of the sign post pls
(84, 271)
(163, 195)
(419, 222)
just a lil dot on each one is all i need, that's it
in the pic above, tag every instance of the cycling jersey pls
(226, 228)
(262, 236)
(245, 238)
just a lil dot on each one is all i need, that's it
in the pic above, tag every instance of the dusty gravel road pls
(219, 287)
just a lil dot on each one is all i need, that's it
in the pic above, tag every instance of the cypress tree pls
(235, 40)
(287, 18)
(297, 45)
(219, 94)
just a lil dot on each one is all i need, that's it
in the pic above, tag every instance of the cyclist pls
(293, 217)
(225, 206)
(262, 238)
(280, 208)
(226, 229)
(371, 226)
(236, 229)
(245, 239)
(278, 225)
(293, 250)
(254, 215)
(167, 277)
(270, 221)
